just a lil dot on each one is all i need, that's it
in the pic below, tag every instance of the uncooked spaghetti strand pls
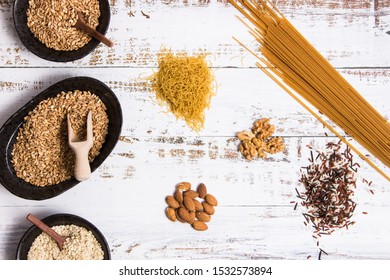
(324, 88)
(347, 108)
(263, 4)
(368, 119)
(366, 159)
(258, 57)
(297, 34)
(298, 87)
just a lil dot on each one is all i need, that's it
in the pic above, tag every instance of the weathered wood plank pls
(234, 233)
(158, 164)
(348, 33)
(243, 95)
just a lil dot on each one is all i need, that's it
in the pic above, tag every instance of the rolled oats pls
(81, 244)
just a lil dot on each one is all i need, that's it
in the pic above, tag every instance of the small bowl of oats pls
(84, 241)
(47, 29)
(36, 161)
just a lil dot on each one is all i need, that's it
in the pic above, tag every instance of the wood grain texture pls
(353, 33)
(254, 96)
(255, 218)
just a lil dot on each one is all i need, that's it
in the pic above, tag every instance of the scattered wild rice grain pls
(330, 182)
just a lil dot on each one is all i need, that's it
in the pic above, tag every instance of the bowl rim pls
(35, 46)
(63, 219)
(9, 131)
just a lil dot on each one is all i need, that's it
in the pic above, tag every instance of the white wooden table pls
(255, 219)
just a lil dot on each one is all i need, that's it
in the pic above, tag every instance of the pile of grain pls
(41, 154)
(329, 181)
(51, 22)
(184, 84)
(80, 245)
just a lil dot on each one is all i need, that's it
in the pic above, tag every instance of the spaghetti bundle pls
(293, 63)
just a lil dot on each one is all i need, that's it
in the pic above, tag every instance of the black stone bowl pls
(57, 220)
(9, 132)
(38, 48)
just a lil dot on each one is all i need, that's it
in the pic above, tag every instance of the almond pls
(189, 203)
(178, 217)
(191, 193)
(203, 217)
(210, 199)
(178, 196)
(198, 205)
(202, 190)
(208, 208)
(172, 202)
(184, 186)
(183, 214)
(198, 225)
(192, 217)
(170, 212)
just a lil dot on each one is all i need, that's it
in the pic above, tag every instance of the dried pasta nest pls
(185, 85)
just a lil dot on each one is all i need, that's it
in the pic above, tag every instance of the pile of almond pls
(184, 205)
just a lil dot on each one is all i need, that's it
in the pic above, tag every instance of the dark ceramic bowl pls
(57, 220)
(9, 132)
(36, 47)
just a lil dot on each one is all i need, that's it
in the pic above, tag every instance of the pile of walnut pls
(259, 141)
(186, 208)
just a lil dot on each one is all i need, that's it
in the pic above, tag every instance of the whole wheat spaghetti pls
(293, 63)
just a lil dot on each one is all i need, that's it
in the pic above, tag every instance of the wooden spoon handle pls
(92, 32)
(82, 169)
(41, 225)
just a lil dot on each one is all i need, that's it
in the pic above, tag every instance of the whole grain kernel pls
(41, 154)
(52, 21)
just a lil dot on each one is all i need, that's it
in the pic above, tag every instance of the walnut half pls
(259, 141)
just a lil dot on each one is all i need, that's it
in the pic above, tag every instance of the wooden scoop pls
(45, 228)
(82, 169)
(82, 25)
